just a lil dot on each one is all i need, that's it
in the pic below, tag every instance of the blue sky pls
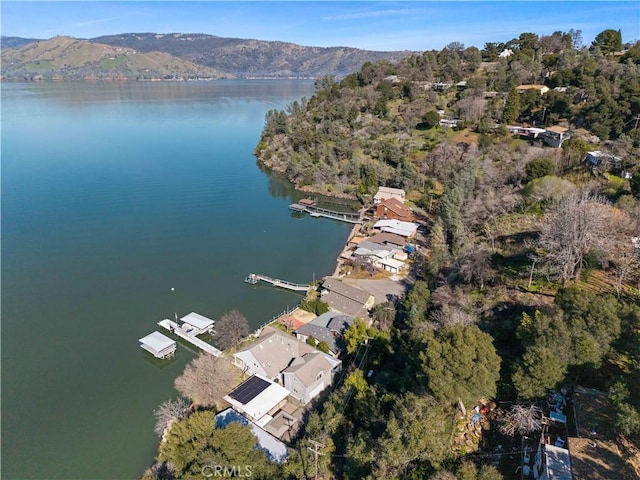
(374, 25)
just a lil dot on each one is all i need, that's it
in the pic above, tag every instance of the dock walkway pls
(314, 211)
(187, 334)
(254, 278)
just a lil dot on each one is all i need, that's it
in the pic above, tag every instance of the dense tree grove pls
(382, 122)
(527, 278)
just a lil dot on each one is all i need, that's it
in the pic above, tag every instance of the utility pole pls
(316, 445)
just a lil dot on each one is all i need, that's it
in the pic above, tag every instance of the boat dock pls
(188, 333)
(254, 278)
(314, 211)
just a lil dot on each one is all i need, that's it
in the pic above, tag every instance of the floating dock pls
(188, 333)
(254, 278)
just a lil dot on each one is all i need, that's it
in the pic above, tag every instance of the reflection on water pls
(112, 195)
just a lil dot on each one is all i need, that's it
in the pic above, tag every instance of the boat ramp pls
(254, 278)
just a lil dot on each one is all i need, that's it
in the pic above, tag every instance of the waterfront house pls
(309, 375)
(390, 240)
(258, 398)
(398, 227)
(275, 351)
(271, 353)
(328, 327)
(385, 193)
(345, 298)
(554, 136)
(392, 208)
(541, 89)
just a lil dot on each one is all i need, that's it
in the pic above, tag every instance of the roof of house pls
(345, 305)
(369, 249)
(321, 334)
(392, 238)
(348, 291)
(392, 191)
(333, 320)
(557, 129)
(274, 448)
(197, 320)
(390, 262)
(249, 389)
(309, 366)
(274, 350)
(322, 328)
(532, 86)
(256, 396)
(396, 206)
(406, 229)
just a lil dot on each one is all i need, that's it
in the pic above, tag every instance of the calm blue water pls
(112, 194)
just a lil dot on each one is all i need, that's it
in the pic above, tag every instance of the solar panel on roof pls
(249, 390)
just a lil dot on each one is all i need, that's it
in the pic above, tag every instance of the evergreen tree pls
(511, 107)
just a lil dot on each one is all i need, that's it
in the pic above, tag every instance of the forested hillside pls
(530, 273)
(374, 126)
(525, 285)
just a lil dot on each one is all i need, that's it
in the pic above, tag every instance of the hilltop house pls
(541, 89)
(554, 136)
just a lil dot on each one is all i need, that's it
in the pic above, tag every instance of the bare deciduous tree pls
(231, 328)
(622, 251)
(522, 420)
(571, 229)
(474, 265)
(206, 379)
(168, 412)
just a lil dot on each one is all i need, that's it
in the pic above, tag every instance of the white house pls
(387, 192)
(309, 375)
(404, 229)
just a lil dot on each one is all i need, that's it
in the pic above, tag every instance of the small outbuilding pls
(158, 345)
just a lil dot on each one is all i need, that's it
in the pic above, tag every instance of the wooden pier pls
(187, 333)
(254, 278)
(314, 211)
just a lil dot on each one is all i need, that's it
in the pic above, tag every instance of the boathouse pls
(158, 345)
(198, 324)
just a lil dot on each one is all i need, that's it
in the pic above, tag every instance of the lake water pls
(112, 194)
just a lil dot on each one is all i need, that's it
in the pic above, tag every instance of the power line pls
(316, 453)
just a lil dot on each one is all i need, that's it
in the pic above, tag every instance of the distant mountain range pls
(151, 56)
